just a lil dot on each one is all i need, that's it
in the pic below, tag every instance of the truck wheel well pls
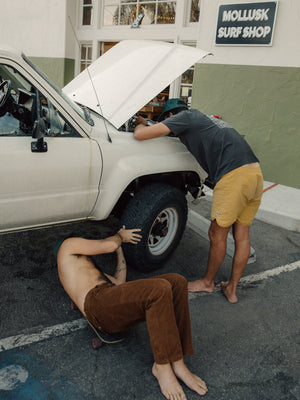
(186, 181)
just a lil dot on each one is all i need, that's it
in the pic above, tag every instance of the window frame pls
(81, 14)
(118, 3)
(88, 62)
(187, 85)
(188, 13)
(27, 85)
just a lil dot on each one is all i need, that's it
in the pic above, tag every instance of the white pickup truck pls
(68, 155)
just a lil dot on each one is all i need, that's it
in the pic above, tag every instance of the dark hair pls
(175, 111)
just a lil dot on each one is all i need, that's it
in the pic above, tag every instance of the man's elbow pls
(138, 136)
(112, 247)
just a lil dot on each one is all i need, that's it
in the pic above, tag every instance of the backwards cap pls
(171, 105)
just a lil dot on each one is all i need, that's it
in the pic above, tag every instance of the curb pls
(279, 206)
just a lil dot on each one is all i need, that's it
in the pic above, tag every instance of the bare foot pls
(200, 286)
(229, 294)
(191, 380)
(168, 382)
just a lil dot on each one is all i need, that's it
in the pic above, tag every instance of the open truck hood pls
(129, 75)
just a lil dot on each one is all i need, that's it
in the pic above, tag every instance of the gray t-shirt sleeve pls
(177, 123)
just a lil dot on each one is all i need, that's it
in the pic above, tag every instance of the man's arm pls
(121, 269)
(77, 245)
(143, 132)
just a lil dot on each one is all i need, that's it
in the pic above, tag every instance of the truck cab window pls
(21, 104)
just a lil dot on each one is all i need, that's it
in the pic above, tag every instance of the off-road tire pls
(160, 211)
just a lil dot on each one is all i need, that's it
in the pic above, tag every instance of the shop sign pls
(246, 23)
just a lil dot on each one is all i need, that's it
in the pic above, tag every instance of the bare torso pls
(78, 275)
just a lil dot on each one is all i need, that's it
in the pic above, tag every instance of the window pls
(85, 56)
(195, 11)
(17, 103)
(21, 104)
(186, 85)
(105, 46)
(124, 12)
(87, 12)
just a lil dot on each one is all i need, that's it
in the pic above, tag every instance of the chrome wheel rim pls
(163, 231)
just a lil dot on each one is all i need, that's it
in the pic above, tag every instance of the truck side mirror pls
(38, 132)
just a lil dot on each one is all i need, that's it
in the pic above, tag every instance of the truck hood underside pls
(129, 75)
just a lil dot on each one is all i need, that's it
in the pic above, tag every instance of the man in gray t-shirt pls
(234, 174)
(216, 145)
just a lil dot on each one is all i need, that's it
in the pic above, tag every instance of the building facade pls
(251, 82)
(256, 88)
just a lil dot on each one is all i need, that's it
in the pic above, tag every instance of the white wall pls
(178, 32)
(285, 50)
(37, 27)
(70, 24)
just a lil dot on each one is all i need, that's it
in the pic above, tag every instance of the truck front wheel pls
(160, 211)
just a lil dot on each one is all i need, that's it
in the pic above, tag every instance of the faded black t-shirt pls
(215, 144)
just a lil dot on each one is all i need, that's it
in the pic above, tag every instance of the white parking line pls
(47, 333)
(270, 272)
(68, 327)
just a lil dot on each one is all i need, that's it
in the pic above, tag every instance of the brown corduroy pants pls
(161, 301)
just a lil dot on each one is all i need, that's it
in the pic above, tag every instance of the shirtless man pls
(114, 305)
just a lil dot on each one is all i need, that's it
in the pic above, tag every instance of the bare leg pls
(240, 259)
(217, 251)
(166, 375)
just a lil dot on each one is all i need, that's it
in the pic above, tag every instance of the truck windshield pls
(76, 107)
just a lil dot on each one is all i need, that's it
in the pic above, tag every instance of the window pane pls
(86, 56)
(186, 94)
(87, 14)
(195, 11)
(83, 52)
(17, 118)
(166, 13)
(148, 10)
(87, 1)
(187, 76)
(82, 66)
(108, 45)
(128, 1)
(128, 14)
(111, 15)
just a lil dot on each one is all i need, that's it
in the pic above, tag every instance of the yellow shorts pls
(237, 196)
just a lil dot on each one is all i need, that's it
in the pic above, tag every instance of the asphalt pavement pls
(244, 351)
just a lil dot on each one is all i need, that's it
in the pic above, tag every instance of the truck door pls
(37, 187)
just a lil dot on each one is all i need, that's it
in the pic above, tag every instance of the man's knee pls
(160, 287)
(176, 279)
(161, 291)
(217, 233)
(240, 232)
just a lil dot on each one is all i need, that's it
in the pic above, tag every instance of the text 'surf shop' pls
(246, 24)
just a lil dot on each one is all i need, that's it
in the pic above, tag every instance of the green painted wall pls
(59, 70)
(262, 103)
